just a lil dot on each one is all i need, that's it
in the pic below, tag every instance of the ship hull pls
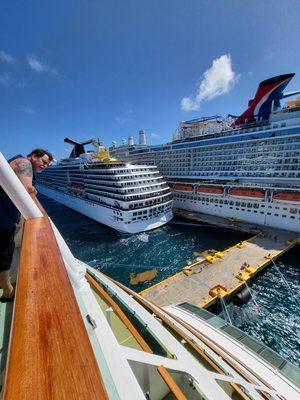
(103, 214)
(275, 215)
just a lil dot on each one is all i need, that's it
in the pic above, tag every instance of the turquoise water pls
(274, 316)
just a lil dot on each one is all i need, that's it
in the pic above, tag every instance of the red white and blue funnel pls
(267, 98)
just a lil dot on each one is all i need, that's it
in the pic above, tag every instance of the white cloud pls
(121, 120)
(6, 57)
(154, 135)
(6, 80)
(30, 111)
(39, 66)
(217, 80)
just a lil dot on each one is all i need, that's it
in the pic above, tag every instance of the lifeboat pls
(287, 196)
(257, 194)
(185, 188)
(210, 190)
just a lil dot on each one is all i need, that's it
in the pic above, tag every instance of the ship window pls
(292, 217)
(283, 216)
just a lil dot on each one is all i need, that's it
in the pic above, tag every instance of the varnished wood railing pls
(172, 385)
(50, 355)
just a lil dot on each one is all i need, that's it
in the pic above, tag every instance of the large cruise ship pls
(245, 167)
(129, 198)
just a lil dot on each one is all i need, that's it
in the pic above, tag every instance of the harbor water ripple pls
(272, 317)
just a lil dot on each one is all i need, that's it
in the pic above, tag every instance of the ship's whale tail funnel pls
(267, 98)
(78, 147)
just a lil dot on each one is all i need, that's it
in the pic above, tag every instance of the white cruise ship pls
(246, 167)
(128, 198)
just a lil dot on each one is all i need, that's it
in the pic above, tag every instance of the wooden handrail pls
(175, 389)
(50, 355)
(119, 313)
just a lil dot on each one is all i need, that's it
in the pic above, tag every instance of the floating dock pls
(224, 273)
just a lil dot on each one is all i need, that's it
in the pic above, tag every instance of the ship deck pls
(193, 283)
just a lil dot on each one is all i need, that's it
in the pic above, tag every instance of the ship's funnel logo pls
(267, 98)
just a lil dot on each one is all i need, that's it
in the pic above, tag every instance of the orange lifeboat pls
(210, 190)
(287, 196)
(185, 188)
(258, 194)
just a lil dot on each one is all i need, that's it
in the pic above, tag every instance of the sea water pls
(272, 317)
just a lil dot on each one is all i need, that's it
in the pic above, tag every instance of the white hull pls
(105, 215)
(275, 214)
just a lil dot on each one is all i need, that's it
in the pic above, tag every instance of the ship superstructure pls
(129, 198)
(245, 167)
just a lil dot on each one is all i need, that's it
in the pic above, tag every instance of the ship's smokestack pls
(130, 140)
(142, 137)
(266, 99)
(124, 142)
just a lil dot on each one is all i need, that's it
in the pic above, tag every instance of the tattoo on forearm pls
(22, 167)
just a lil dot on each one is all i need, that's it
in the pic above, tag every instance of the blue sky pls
(106, 69)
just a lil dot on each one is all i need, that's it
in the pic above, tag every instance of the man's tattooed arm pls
(23, 169)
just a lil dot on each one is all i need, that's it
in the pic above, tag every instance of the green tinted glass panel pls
(233, 332)
(271, 357)
(217, 322)
(196, 310)
(252, 344)
(291, 372)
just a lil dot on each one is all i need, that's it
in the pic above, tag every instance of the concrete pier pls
(231, 269)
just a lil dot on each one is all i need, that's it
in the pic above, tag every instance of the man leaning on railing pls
(24, 168)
